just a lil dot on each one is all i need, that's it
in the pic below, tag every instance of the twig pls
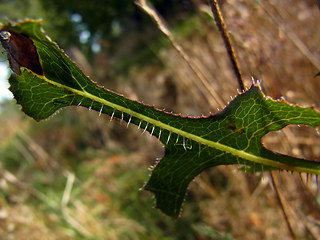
(224, 34)
(282, 206)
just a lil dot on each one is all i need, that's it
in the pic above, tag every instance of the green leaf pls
(232, 136)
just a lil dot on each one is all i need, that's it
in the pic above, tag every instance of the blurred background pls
(78, 175)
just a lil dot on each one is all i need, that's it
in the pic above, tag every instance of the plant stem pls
(227, 41)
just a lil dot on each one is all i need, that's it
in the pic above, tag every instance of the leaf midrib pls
(216, 145)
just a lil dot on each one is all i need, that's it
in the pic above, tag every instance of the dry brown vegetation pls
(84, 184)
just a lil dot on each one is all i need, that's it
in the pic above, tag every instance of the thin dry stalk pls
(165, 30)
(227, 41)
(75, 224)
(282, 205)
(67, 190)
(301, 46)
